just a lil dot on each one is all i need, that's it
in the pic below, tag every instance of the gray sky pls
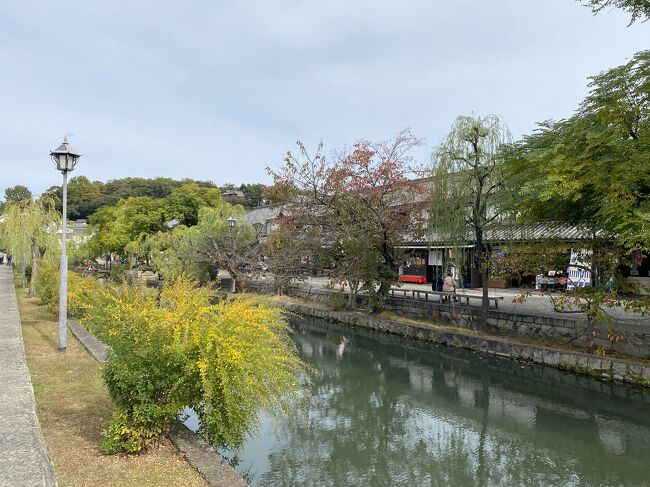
(218, 90)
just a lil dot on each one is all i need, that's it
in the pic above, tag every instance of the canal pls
(385, 411)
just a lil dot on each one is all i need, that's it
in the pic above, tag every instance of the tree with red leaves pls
(363, 204)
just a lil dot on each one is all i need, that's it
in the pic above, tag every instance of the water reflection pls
(386, 411)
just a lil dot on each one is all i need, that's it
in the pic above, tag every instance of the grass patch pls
(74, 407)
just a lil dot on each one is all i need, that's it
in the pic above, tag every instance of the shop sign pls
(435, 257)
(578, 276)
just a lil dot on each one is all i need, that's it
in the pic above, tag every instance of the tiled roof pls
(259, 216)
(522, 233)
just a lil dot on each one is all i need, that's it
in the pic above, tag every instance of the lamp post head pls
(65, 156)
(231, 221)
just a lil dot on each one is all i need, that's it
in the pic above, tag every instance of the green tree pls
(84, 197)
(638, 9)
(467, 180)
(201, 250)
(185, 202)
(254, 194)
(17, 194)
(219, 245)
(31, 229)
(131, 220)
(593, 168)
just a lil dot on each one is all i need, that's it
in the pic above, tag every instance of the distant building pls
(77, 231)
(234, 196)
(264, 219)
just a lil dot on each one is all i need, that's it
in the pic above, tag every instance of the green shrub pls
(46, 286)
(226, 361)
(337, 300)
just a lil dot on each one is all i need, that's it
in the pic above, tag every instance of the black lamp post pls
(65, 158)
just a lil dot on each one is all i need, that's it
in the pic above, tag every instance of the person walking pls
(9, 259)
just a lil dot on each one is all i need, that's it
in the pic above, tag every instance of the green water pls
(386, 411)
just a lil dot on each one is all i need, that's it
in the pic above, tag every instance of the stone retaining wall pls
(635, 342)
(602, 367)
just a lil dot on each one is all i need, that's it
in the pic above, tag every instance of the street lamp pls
(231, 221)
(65, 158)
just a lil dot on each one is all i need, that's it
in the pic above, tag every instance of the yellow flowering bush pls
(227, 361)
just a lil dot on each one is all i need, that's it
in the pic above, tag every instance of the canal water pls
(386, 411)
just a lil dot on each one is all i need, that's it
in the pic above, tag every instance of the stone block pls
(551, 357)
(619, 369)
(606, 365)
(568, 360)
(582, 362)
(526, 353)
(646, 373)
(594, 364)
(636, 371)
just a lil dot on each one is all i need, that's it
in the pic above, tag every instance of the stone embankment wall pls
(602, 367)
(580, 333)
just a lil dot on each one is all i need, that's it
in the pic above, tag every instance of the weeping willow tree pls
(638, 9)
(466, 185)
(30, 230)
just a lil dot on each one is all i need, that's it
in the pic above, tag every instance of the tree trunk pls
(240, 283)
(238, 279)
(36, 264)
(485, 303)
(483, 265)
(23, 271)
(352, 297)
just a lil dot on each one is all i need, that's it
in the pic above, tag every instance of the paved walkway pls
(23, 454)
(537, 303)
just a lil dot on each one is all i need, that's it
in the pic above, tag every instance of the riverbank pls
(603, 367)
(73, 407)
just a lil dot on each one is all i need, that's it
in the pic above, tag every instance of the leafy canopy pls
(593, 167)
(638, 9)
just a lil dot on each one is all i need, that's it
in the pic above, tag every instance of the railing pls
(441, 295)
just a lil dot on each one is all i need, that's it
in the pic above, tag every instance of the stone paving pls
(537, 304)
(24, 459)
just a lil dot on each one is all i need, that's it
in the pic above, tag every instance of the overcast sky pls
(219, 90)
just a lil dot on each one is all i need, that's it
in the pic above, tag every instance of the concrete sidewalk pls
(24, 460)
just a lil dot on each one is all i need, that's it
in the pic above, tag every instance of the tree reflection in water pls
(389, 411)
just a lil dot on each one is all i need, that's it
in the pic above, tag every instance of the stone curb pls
(212, 467)
(602, 367)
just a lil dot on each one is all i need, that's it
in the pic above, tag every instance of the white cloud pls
(220, 89)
